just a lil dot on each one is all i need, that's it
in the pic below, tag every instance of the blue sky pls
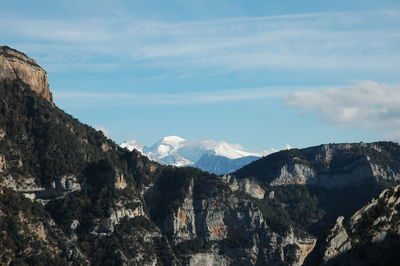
(258, 73)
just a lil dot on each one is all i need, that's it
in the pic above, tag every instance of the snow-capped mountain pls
(132, 144)
(214, 156)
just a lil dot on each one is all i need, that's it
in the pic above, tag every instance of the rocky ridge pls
(69, 195)
(16, 65)
(79, 195)
(330, 166)
(372, 234)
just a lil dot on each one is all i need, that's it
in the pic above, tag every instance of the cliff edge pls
(17, 65)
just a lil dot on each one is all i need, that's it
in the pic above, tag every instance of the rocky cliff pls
(16, 65)
(370, 236)
(70, 196)
(329, 166)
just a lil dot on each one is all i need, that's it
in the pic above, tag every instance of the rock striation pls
(367, 235)
(16, 65)
(329, 166)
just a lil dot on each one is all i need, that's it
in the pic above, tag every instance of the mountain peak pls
(232, 151)
(178, 151)
(16, 65)
(172, 139)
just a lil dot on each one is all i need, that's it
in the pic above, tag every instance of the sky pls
(257, 73)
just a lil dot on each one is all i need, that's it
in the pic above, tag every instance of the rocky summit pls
(71, 196)
(16, 65)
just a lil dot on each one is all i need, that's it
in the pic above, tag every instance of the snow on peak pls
(165, 147)
(172, 140)
(132, 144)
(232, 151)
(179, 151)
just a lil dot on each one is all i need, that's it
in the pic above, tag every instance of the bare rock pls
(120, 182)
(296, 173)
(338, 240)
(16, 65)
(3, 163)
(209, 259)
(181, 223)
(246, 185)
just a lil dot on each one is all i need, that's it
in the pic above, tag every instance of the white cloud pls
(105, 131)
(170, 98)
(273, 150)
(333, 40)
(365, 104)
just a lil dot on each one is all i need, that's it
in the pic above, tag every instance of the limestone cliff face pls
(338, 240)
(235, 228)
(371, 232)
(69, 194)
(248, 186)
(330, 166)
(294, 173)
(181, 223)
(16, 65)
(289, 248)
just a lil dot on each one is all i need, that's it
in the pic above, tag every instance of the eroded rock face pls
(202, 219)
(248, 186)
(288, 248)
(209, 259)
(330, 166)
(181, 223)
(3, 163)
(338, 241)
(120, 182)
(366, 232)
(353, 174)
(16, 65)
(21, 185)
(224, 220)
(295, 173)
(66, 183)
(122, 209)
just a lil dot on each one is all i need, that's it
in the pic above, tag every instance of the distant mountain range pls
(217, 157)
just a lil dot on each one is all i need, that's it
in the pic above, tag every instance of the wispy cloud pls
(170, 98)
(337, 40)
(364, 104)
(273, 150)
(105, 131)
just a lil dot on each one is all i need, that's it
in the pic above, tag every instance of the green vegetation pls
(18, 223)
(51, 143)
(43, 142)
(171, 188)
(197, 245)
(267, 167)
(292, 206)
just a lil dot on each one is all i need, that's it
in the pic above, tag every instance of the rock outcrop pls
(94, 203)
(247, 186)
(372, 231)
(338, 241)
(234, 228)
(181, 223)
(16, 65)
(330, 166)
